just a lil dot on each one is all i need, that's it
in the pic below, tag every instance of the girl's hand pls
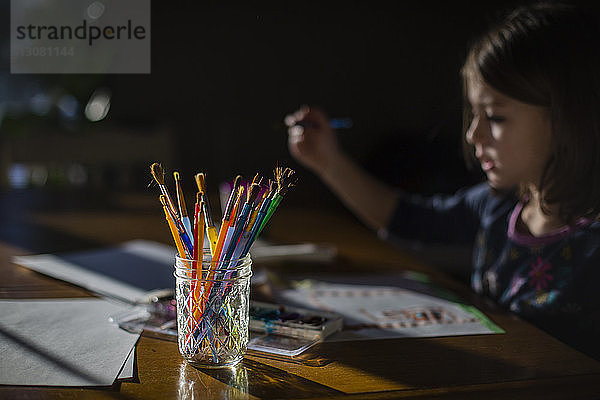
(311, 140)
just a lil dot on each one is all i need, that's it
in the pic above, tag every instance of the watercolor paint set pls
(276, 319)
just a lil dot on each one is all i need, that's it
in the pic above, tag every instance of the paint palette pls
(292, 321)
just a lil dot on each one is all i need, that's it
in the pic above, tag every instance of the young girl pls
(532, 121)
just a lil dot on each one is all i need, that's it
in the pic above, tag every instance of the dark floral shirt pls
(551, 280)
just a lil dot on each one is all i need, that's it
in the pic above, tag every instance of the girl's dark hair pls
(547, 54)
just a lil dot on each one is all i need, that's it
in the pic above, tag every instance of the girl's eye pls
(495, 119)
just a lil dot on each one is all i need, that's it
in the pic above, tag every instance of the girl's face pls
(511, 139)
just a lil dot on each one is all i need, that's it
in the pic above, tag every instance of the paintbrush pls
(198, 228)
(225, 222)
(174, 232)
(159, 176)
(182, 207)
(242, 219)
(286, 179)
(251, 219)
(260, 215)
(211, 230)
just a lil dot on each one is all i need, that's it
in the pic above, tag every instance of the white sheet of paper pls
(127, 371)
(51, 265)
(62, 342)
(385, 312)
(127, 272)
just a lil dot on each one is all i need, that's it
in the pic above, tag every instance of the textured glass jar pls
(212, 310)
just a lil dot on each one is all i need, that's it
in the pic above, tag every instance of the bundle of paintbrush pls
(244, 217)
(247, 211)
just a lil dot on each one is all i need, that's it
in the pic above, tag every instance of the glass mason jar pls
(212, 310)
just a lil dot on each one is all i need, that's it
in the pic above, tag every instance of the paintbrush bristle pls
(200, 203)
(253, 193)
(236, 183)
(157, 172)
(287, 181)
(232, 197)
(277, 173)
(201, 182)
(257, 179)
(272, 186)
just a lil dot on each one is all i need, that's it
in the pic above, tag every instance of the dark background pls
(233, 72)
(224, 76)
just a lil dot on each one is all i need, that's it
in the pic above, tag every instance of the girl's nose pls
(476, 132)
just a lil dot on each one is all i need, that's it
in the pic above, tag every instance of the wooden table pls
(522, 363)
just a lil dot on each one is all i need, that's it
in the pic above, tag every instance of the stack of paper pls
(63, 342)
